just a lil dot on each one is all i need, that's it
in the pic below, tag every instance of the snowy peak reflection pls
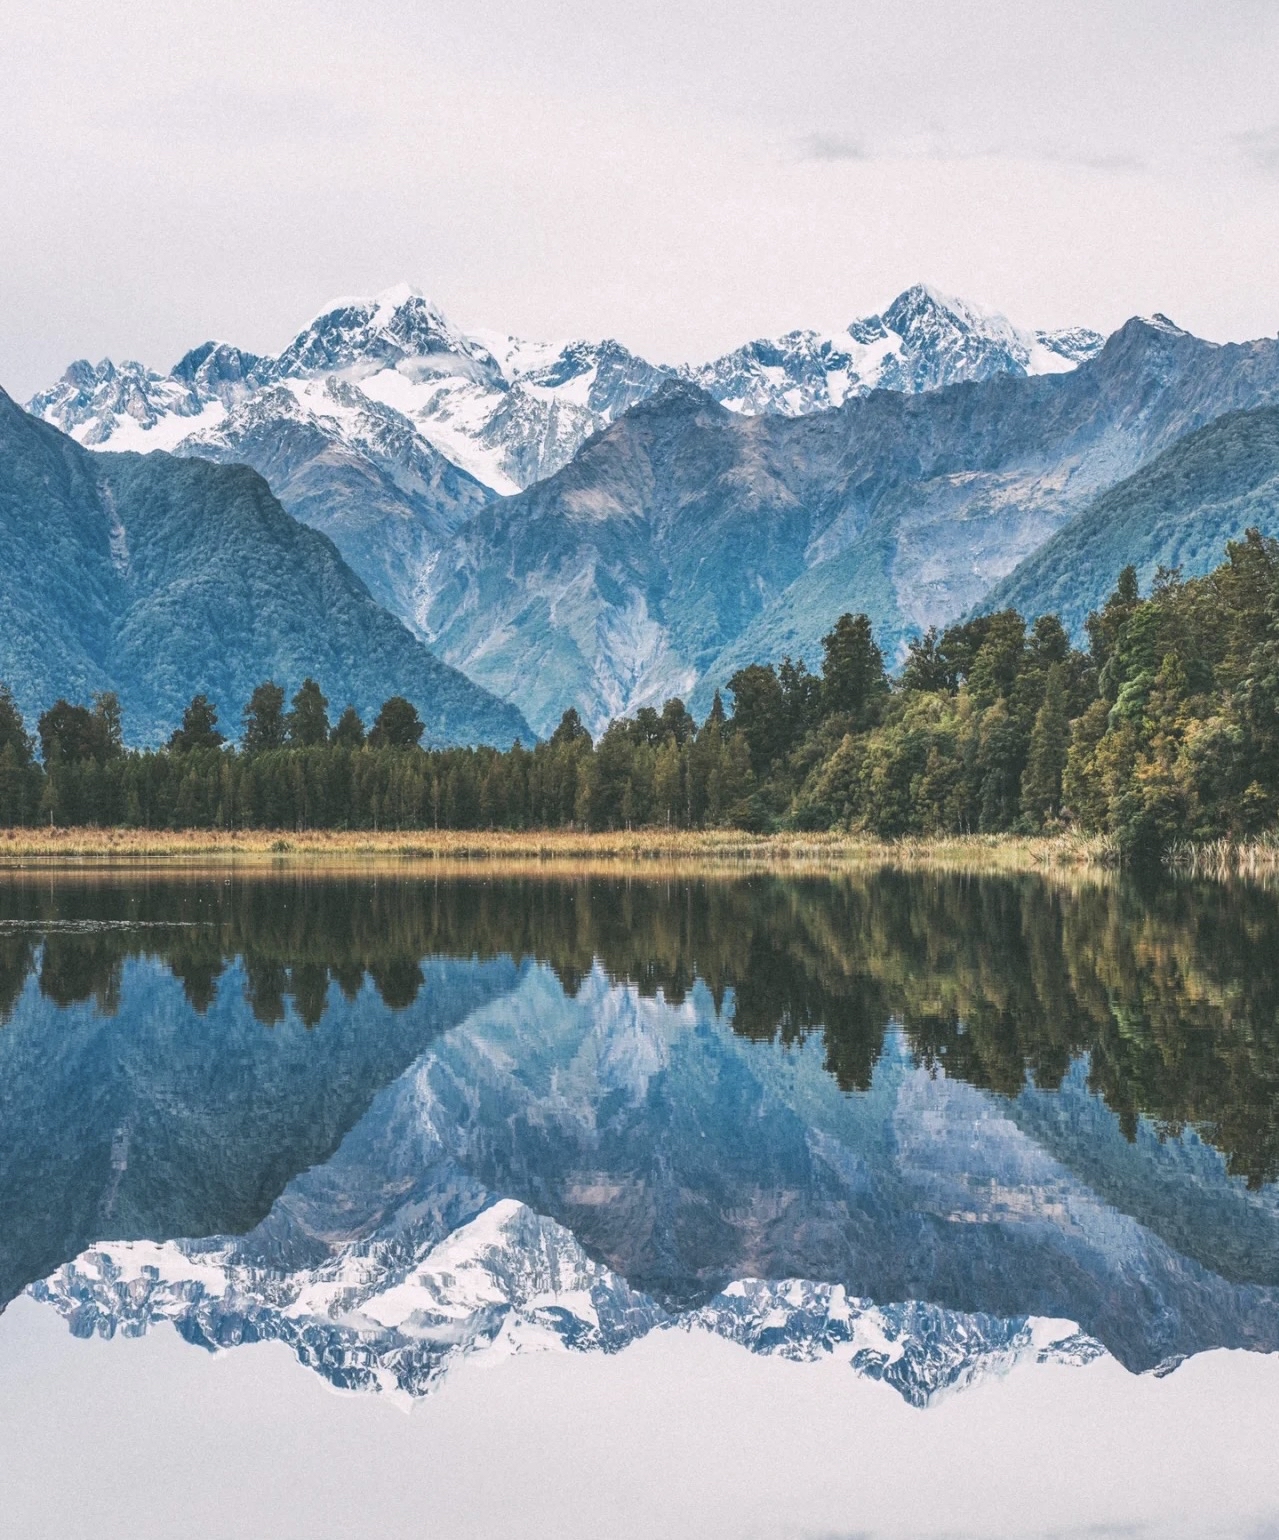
(574, 1171)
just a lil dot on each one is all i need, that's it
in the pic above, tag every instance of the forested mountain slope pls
(157, 577)
(1178, 511)
(686, 541)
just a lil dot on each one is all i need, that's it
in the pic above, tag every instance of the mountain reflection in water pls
(933, 1124)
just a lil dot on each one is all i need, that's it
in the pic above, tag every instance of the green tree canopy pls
(571, 729)
(264, 719)
(349, 732)
(398, 725)
(307, 724)
(13, 730)
(853, 678)
(74, 735)
(760, 714)
(199, 728)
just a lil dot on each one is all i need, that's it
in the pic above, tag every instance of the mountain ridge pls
(1176, 512)
(684, 541)
(400, 345)
(157, 577)
(648, 555)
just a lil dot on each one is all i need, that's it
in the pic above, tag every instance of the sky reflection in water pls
(932, 1128)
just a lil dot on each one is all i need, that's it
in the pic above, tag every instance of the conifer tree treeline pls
(1166, 726)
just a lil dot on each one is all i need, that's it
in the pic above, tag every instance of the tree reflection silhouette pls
(1170, 993)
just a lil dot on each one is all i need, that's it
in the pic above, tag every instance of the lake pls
(886, 1204)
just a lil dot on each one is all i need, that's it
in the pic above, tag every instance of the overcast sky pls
(680, 175)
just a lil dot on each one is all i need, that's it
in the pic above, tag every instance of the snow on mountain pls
(924, 340)
(573, 1171)
(123, 407)
(531, 418)
(398, 329)
(511, 412)
(510, 1282)
(387, 427)
(354, 468)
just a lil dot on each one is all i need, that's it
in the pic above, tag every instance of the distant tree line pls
(1165, 726)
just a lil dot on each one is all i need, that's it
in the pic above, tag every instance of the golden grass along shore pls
(651, 852)
(728, 849)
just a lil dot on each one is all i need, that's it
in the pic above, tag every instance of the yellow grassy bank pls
(729, 849)
(642, 850)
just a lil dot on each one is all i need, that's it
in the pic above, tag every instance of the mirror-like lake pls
(883, 1203)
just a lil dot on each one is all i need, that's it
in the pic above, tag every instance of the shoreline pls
(730, 849)
(649, 851)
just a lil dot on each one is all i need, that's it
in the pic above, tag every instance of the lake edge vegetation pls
(1160, 736)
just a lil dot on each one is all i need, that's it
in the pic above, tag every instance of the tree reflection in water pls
(1172, 993)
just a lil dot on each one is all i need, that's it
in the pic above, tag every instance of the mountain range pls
(573, 525)
(157, 577)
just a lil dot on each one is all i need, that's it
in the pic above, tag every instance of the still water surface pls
(890, 1204)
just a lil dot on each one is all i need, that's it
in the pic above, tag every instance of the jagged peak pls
(233, 362)
(1161, 323)
(924, 299)
(674, 392)
(383, 304)
(930, 294)
(1146, 326)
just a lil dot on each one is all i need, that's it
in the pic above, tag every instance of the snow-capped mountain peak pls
(511, 411)
(1161, 323)
(398, 329)
(380, 1316)
(924, 340)
(124, 406)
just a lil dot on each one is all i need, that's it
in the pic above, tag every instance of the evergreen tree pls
(760, 715)
(570, 730)
(802, 693)
(108, 724)
(926, 670)
(13, 730)
(307, 724)
(1049, 742)
(264, 719)
(398, 725)
(677, 722)
(1104, 625)
(69, 735)
(199, 728)
(349, 732)
(853, 678)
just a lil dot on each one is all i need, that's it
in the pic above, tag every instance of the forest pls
(1163, 727)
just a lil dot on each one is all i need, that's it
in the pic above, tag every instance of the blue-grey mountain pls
(1177, 512)
(686, 541)
(158, 577)
(575, 526)
(388, 428)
